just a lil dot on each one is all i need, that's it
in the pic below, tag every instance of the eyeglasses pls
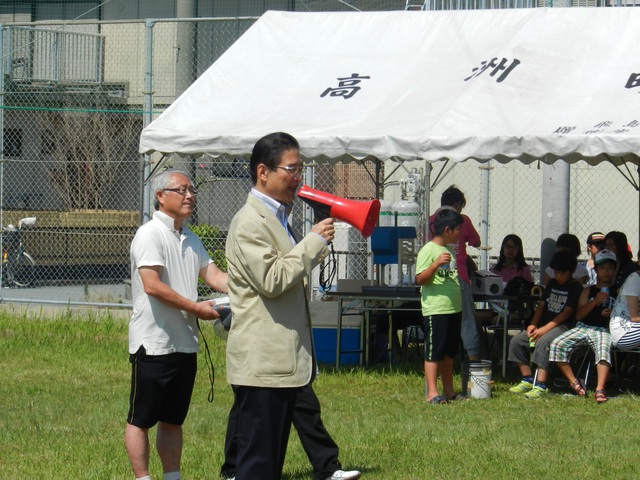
(293, 169)
(182, 191)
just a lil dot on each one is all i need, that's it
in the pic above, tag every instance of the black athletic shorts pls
(161, 387)
(441, 336)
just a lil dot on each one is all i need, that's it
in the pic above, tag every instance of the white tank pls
(408, 213)
(385, 218)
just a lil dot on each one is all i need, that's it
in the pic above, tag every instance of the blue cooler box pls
(324, 318)
(324, 339)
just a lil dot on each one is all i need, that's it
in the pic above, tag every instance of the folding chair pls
(521, 313)
(616, 362)
(582, 361)
(412, 334)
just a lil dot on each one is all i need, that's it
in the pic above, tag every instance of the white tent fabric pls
(521, 84)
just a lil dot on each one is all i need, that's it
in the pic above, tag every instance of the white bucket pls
(479, 382)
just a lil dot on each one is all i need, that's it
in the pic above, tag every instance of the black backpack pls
(524, 307)
(518, 287)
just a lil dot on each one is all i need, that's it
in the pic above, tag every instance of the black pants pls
(316, 441)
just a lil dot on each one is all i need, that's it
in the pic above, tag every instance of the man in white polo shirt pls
(166, 261)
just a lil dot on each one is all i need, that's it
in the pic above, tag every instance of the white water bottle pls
(605, 304)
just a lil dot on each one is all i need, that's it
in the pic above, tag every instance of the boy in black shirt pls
(553, 317)
(594, 309)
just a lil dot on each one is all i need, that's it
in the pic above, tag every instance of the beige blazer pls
(270, 342)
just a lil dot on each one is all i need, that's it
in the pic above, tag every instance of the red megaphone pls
(361, 215)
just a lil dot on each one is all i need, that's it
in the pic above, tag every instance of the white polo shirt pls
(158, 327)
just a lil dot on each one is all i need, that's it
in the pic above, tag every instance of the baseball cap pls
(595, 238)
(604, 256)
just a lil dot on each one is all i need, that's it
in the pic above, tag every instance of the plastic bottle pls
(605, 304)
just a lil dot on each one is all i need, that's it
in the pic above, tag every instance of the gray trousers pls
(520, 351)
(469, 329)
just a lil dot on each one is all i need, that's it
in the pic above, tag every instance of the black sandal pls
(458, 396)
(579, 388)
(601, 396)
(439, 399)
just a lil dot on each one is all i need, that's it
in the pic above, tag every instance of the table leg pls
(339, 334)
(504, 341)
(365, 335)
(501, 307)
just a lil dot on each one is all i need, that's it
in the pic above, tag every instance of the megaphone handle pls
(320, 214)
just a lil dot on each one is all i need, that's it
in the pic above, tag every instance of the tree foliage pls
(213, 241)
(88, 150)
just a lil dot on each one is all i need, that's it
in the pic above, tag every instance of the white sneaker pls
(344, 475)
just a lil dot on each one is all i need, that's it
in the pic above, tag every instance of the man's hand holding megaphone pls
(325, 229)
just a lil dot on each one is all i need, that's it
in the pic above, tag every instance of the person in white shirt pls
(166, 261)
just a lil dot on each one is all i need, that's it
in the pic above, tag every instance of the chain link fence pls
(71, 115)
(76, 96)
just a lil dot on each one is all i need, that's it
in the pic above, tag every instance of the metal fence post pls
(2, 28)
(147, 119)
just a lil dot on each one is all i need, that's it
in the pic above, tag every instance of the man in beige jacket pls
(270, 345)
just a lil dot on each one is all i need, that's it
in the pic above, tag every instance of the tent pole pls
(426, 202)
(379, 186)
(484, 221)
(555, 209)
(310, 175)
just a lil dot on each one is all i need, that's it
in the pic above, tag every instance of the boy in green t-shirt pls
(441, 304)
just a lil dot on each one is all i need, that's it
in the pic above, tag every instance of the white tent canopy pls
(521, 84)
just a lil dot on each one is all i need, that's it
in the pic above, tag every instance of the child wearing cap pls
(594, 309)
(595, 243)
(553, 317)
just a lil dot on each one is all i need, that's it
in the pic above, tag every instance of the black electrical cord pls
(328, 271)
(207, 356)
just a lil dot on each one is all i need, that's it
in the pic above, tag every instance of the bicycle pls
(18, 267)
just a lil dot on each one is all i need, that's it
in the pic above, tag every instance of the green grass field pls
(64, 396)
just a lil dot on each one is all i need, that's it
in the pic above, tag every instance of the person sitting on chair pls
(516, 275)
(595, 243)
(568, 242)
(511, 262)
(625, 317)
(553, 317)
(617, 243)
(594, 309)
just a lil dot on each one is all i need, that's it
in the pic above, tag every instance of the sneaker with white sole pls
(536, 392)
(522, 387)
(344, 475)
